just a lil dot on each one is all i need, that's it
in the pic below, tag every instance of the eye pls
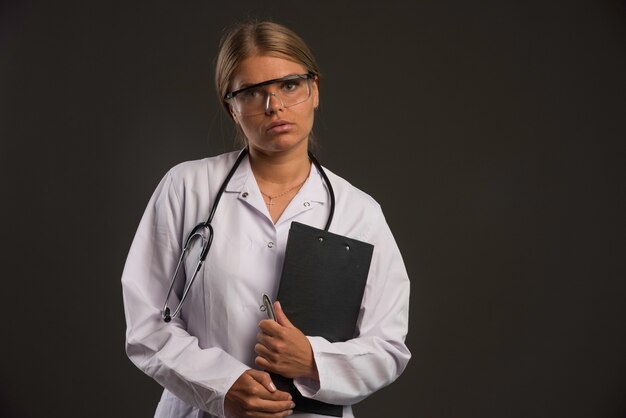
(249, 94)
(291, 85)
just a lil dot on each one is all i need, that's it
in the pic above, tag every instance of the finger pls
(268, 341)
(281, 317)
(267, 408)
(264, 379)
(265, 352)
(282, 396)
(264, 364)
(278, 396)
(269, 327)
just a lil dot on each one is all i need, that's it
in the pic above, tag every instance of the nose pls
(273, 104)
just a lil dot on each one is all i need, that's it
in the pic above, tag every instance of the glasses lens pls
(288, 92)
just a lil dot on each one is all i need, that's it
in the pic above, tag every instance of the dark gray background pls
(492, 133)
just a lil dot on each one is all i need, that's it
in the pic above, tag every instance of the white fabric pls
(199, 355)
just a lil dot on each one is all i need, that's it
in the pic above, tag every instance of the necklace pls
(271, 198)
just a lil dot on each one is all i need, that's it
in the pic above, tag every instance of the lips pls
(279, 126)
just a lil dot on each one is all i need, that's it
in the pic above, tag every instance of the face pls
(279, 129)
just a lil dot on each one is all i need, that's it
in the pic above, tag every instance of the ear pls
(233, 115)
(316, 93)
(230, 111)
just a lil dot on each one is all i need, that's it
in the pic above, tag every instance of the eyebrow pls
(246, 85)
(293, 76)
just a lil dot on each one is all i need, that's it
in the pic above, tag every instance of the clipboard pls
(321, 289)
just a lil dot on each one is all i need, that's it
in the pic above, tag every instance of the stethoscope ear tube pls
(195, 235)
(205, 249)
(166, 313)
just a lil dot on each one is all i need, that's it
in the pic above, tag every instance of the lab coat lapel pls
(311, 196)
(244, 184)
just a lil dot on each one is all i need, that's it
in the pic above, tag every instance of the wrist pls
(313, 373)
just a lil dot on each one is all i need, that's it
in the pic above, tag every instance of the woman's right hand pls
(253, 395)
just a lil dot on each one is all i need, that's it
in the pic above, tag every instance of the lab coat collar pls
(313, 192)
(238, 180)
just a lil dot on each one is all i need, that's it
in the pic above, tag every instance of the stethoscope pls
(205, 229)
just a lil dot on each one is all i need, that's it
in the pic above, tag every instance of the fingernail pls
(290, 398)
(272, 387)
(293, 405)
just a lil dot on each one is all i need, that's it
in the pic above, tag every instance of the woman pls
(213, 358)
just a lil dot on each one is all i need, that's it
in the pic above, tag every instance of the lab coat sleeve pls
(166, 351)
(350, 371)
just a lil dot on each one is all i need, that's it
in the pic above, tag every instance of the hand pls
(253, 395)
(284, 349)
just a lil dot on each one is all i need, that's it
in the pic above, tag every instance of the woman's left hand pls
(284, 349)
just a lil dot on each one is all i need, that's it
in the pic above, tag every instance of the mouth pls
(279, 126)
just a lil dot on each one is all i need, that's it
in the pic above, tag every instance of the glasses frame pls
(308, 76)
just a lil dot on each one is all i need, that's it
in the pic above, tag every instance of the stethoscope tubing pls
(165, 313)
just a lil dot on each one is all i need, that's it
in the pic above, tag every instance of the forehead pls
(259, 68)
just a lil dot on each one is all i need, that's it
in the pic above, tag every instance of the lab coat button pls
(244, 194)
(270, 244)
(307, 204)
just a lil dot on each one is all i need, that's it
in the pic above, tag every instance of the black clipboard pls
(321, 289)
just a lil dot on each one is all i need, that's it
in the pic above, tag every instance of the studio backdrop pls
(491, 133)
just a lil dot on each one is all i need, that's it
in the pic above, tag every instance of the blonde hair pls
(259, 38)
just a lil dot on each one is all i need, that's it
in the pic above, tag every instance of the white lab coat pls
(199, 355)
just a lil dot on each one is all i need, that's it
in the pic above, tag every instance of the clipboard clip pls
(268, 307)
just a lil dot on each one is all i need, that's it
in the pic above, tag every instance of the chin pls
(284, 143)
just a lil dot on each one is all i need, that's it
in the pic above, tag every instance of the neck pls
(281, 168)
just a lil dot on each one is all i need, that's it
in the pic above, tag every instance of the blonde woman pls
(214, 355)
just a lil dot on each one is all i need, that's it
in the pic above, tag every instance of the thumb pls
(281, 317)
